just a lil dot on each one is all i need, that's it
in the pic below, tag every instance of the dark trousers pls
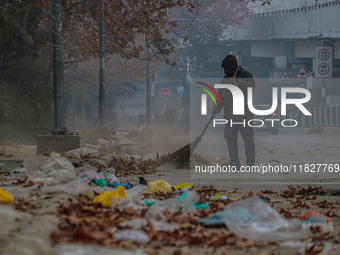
(231, 135)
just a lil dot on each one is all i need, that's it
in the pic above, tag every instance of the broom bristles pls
(182, 156)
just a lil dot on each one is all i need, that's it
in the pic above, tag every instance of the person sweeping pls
(234, 74)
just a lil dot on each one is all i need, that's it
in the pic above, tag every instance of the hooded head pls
(230, 65)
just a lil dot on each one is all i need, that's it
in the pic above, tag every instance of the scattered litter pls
(147, 203)
(313, 130)
(316, 219)
(86, 249)
(76, 187)
(187, 202)
(5, 197)
(56, 162)
(142, 181)
(140, 223)
(100, 182)
(136, 236)
(255, 220)
(183, 186)
(263, 198)
(223, 197)
(117, 184)
(106, 176)
(108, 198)
(215, 221)
(202, 206)
(311, 248)
(314, 216)
(82, 152)
(158, 186)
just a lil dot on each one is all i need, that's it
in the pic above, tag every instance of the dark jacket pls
(244, 79)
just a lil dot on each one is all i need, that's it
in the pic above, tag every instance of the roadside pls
(53, 204)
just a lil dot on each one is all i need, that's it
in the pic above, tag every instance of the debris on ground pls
(107, 198)
(109, 204)
(188, 219)
(158, 186)
(313, 130)
(253, 219)
(5, 196)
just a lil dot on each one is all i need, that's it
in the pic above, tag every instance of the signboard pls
(164, 93)
(323, 62)
(302, 73)
(285, 79)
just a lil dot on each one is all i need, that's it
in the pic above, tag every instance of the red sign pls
(285, 79)
(164, 93)
(302, 73)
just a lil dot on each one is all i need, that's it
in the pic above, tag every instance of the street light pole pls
(58, 77)
(101, 65)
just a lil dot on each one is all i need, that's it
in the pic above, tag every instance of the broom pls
(182, 156)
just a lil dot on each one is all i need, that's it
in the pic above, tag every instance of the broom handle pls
(206, 127)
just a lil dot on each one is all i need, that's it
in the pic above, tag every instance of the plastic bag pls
(134, 200)
(86, 249)
(107, 176)
(108, 198)
(314, 216)
(56, 162)
(148, 203)
(82, 152)
(75, 187)
(255, 220)
(135, 235)
(187, 202)
(183, 185)
(202, 206)
(5, 196)
(158, 186)
(100, 182)
(223, 197)
(117, 184)
(155, 213)
(215, 221)
(316, 219)
(53, 170)
(139, 223)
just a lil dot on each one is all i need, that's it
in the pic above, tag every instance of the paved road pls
(291, 146)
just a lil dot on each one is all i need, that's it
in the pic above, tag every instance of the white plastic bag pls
(56, 162)
(86, 249)
(187, 202)
(82, 152)
(255, 220)
(75, 187)
(135, 235)
(138, 223)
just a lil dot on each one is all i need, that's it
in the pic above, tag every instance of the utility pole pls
(101, 65)
(147, 85)
(58, 78)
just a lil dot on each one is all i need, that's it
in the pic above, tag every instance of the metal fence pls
(295, 10)
(321, 116)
